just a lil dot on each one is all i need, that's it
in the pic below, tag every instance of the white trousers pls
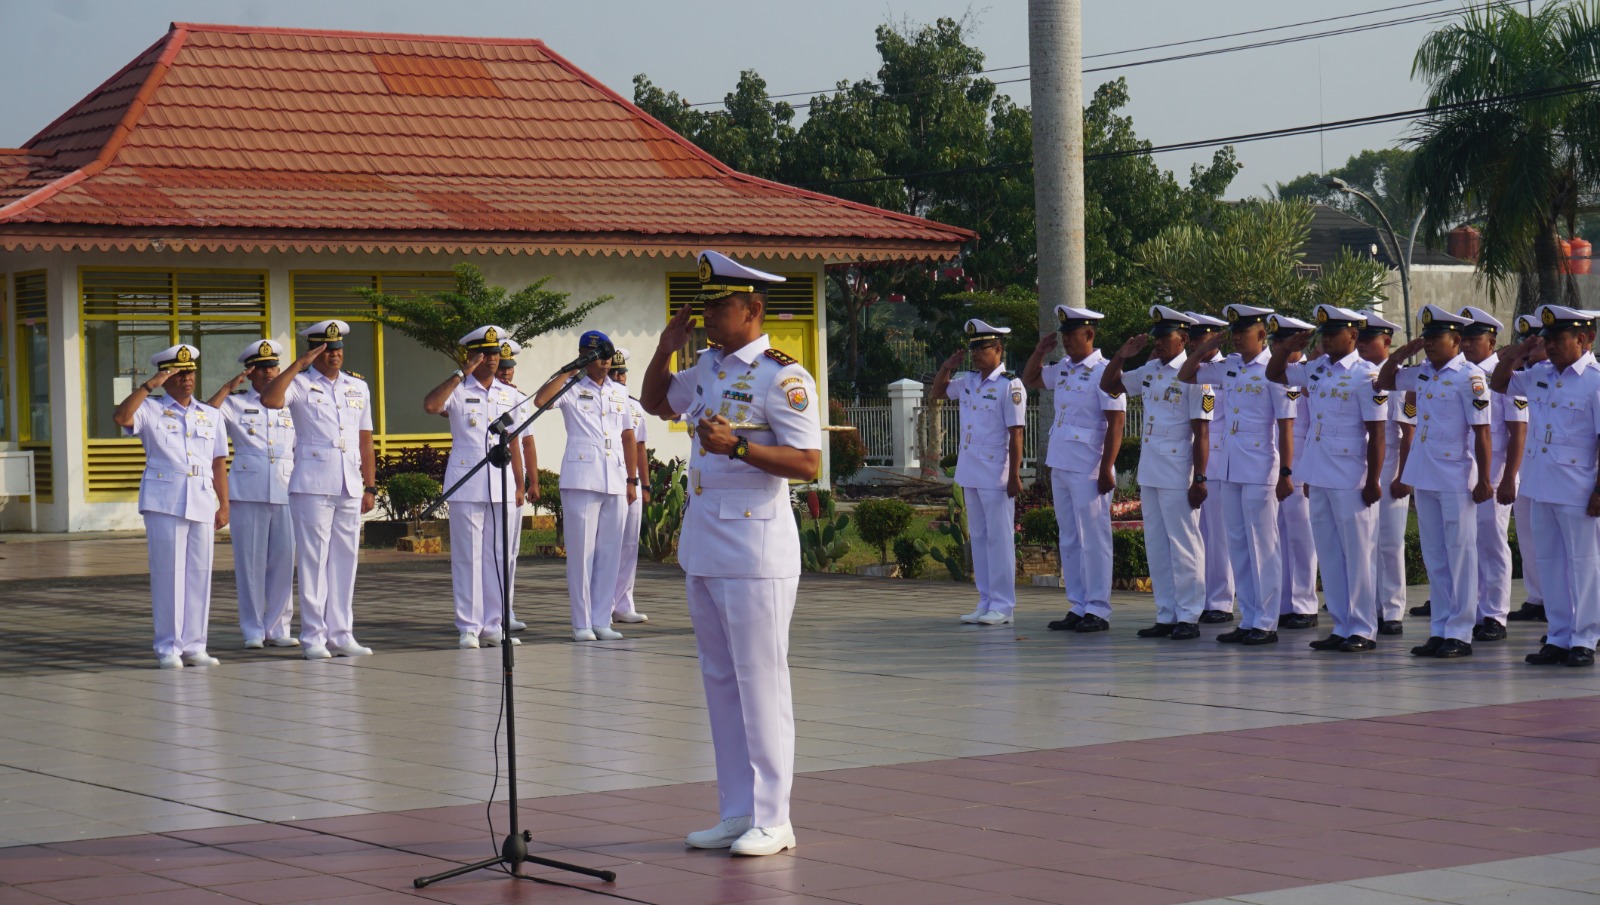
(1494, 557)
(1250, 515)
(1298, 593)
(1390, 555)
(741, 628)
(1448, 524)
(327, 540)
(1532, 585)
(991, 522)
(1343, 528)
(628, 567)
(1220, 579)
(476, 560)
(180, 581)
(1567, 542)
(1176, 551)
(263, 567)
(1083, 517)
(592, 522)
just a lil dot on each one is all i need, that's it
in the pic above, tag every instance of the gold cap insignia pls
(265, 349)
(1155, 316)
(971, 328)
(505, 350)
(1272, 323)
(1322, 315)
(184, 354)
(705, 269)
(1549, 317)
(1232, 313)
(332, 332)
(491, 335)
(1427, 315)
(1061, 316)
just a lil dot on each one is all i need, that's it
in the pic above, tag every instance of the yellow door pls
(797, 338)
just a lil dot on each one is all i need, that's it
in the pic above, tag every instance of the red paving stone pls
(1160, 822)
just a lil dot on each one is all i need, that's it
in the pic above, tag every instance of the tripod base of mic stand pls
(513, 852)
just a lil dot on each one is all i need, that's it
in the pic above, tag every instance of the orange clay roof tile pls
(234, 137)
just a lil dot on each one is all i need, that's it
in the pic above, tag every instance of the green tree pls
(1509, 136)
(1352, 280)
(439, 321)
(1250, 256)
(749, 135)
(1381, 174)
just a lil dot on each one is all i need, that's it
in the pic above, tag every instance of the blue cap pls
(592, 339)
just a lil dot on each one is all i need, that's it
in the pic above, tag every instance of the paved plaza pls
(938, 763)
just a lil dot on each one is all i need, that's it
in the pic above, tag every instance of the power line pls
(1244, 138)
(1314, 36)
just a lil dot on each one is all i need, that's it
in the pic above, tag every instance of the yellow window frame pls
(43, 466)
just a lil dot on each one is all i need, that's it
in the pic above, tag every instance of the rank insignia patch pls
(1016, 397)
(1208, 403)
(1480, 404)
(1411, 409)
(1294, 394)
(1380, 398)
(1520, 403)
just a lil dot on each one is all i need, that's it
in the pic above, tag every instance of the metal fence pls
(871, 418)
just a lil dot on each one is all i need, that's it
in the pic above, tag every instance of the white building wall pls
(633, 319)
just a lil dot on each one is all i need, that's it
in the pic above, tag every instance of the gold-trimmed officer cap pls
(330, 333)
(1205, 323)
(1069, 318)
(1482, 322)
(1242, 316)
(721, 276)
(1282, 326)
(1164, 320)
(485, 339)
(1557, 318)
(1526, 325)
(181, 357)
(1436, 320)
(508, 353)
(979, 331)
(262, 353)
(1376, 324)
(619, 359)
(1332, 317)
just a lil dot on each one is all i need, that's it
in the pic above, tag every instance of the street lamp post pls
(1402, 258)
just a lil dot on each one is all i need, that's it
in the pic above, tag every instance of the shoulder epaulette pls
(780, 357)
(355, 375)
(713, 347)
(1008, 375)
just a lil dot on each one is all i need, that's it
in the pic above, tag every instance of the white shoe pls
(764, 840)
(606, 633)
(170, 661)
(200, 658)
(516, 625)
(352, 650)
(972, 617)
(285, 641)
(630, 617)
(468, 641)
(254, 643)
(994, 617)
(316, 652)
(582, 634)
(493, 639)
(722, 835)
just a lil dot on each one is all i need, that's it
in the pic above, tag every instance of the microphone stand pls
(514, 850)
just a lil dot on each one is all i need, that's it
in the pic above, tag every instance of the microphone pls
(603, 350)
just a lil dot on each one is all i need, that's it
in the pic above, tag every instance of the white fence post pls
(905, 404)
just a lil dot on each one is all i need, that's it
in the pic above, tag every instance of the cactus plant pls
(957, 557)
(662, 517)
(822, 543)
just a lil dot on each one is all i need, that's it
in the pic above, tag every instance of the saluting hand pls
(678, 331)
(954, 361)
(311, 354)
(1209, 345)
(1297, 342)
(235, 382)
(1047, 343)
(159, 378)
(1406, 351)
(473, 361)
(1133, 345)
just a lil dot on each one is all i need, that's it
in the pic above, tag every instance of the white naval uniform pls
(628, 567)
(1443, 469)
(1559, 477)
(1343, 401)
(258, 514)
(740, 553)
(1246, 481)
(325, 497)
(1494, 549)
(594, 495)
(1083, 513)
(1298, 550)
(1393, 515)
(1220, 583)
(990, 405)
(1172, 538)
(179, 504)
(480, 544)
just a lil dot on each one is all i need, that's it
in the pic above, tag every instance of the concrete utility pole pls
(1055, 55)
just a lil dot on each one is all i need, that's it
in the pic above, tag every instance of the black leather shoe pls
(1452, 649)
(1580, 656)
(1528, 612)
(1391, 627)
(1428, 648)
(1215, 617)
(1298, 620)
(1159, 630)
(1549, 655)
(1331, 642)
(1489, 630)
(1425, 610)
(1233, 637)
(1356, 644)
(1066, 623)
(1091, 623)
(1259, 636)
(1185, 631)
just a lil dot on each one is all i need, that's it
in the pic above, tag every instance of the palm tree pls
(1514, 132)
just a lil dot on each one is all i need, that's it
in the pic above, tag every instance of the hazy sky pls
(58, 50)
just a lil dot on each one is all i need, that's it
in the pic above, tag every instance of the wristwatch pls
(458, 374)
(740, 449)
(1199, 479)
(367, 490)
(1285, 472)
(633, 481)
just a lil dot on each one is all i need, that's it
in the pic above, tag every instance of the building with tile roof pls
(235, 182)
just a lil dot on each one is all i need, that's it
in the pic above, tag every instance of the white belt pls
(195, 471)
(313, 445)
(722, 481)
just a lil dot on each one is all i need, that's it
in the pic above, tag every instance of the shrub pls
(408, 494)
(1128, 456)
(949, 461)
(424, 460)
(881, 521)
(1039, 527)
(912, 556)
(1127, 554)
(662, 517)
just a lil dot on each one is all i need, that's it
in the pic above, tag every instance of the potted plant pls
(408, 496)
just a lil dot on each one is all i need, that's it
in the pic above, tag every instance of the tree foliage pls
(1249, 255)
(1381, 174)
(1508, 136)
(439, 321)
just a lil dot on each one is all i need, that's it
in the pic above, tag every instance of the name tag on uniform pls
(585, 394)
(1543, 385)
(1233, 373)
(474, 400)
(316, 389)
